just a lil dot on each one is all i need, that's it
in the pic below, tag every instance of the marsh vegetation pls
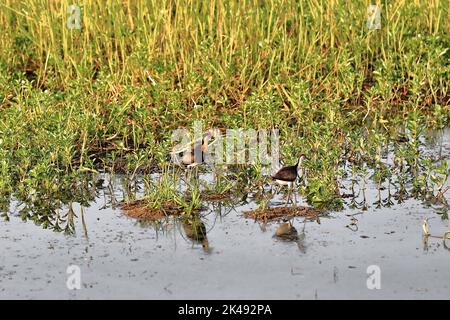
(105, 98)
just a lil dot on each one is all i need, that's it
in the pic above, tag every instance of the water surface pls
(122, 258)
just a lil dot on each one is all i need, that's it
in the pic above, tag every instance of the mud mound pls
(278, 213)
(140, 209)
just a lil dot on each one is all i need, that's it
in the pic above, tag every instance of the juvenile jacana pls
(196, 154)
(286, 176)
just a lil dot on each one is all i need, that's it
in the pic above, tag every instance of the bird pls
(286, 176)
(196, 154)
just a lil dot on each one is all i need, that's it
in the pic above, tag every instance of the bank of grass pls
(108, 96)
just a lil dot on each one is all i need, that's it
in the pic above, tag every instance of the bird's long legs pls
(192, 175)
(291, 190)
(288, 196)
(295, 193)
(188, 175)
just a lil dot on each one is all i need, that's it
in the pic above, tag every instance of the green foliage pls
(107, 96)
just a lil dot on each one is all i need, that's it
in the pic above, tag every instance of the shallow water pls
(124, 259)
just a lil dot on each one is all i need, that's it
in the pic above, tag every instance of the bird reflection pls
(195, 230)
(287, 232)
(301, 238)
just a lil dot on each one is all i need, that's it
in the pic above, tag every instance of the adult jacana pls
(286, 176)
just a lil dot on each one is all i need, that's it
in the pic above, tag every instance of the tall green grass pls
(216, 53)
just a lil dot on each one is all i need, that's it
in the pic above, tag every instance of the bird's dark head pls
(301, 158)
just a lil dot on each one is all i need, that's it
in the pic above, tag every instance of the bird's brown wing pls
(286, 174)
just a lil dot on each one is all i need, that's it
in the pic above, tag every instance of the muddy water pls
(123, 259)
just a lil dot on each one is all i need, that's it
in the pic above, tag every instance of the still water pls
(120, 258)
